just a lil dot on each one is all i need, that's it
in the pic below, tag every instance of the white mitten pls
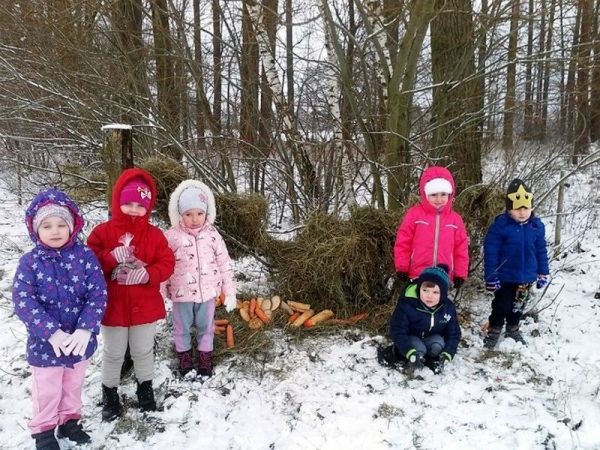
(57, 339)
(230, 303)
(77, 342)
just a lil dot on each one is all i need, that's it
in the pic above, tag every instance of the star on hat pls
(521, 198)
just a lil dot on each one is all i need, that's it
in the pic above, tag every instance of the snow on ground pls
(330, 392)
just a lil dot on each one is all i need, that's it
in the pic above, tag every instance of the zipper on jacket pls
(436, 236)
(199, 269)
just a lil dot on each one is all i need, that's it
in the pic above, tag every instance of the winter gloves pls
(230, 303)
(67, 344)
(56, 340)
(77, 342)
(402, 277)
(542, 280)
(129, 276)
(492, 285)
(123, 254)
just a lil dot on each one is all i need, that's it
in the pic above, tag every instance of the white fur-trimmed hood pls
(175, 217)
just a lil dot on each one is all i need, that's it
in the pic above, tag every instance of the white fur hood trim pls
(174, 215)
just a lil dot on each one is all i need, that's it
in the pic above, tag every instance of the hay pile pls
(343, 265)
(478, 206)
(167, 174)
(242, 219)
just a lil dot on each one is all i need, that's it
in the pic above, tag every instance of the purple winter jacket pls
(58, 288)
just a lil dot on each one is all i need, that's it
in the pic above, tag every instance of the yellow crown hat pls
(518, 195)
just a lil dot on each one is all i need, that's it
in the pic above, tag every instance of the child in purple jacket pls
(59, 293)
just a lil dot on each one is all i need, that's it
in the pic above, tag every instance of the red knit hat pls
(136, 191)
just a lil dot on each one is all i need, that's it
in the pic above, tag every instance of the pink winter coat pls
(202, 263)
(427, 237)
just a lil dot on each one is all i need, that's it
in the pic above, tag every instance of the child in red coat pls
(135, 258)
(432, 233)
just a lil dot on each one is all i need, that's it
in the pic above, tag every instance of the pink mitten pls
(122, 254)
(130, 276)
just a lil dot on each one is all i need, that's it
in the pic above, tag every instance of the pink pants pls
(56, 394)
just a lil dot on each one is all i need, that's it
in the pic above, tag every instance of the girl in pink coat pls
(432, 233)
(202, 272)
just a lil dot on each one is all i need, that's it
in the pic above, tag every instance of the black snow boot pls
(514, 333)
(46, 440)
(492, 337)
(388, 356)
(73, 431)
(111, 405)
(145, 396)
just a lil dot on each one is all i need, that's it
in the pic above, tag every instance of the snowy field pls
(330, 393)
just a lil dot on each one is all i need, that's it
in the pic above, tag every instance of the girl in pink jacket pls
(432, 233)
(202, 272)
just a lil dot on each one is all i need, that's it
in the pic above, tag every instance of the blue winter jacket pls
(515, 252)
(412, 318)
(58, 288)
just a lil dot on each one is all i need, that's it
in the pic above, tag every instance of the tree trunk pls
(200, 120)
(456, 136)
(546, 73)
(511, 70)
(528, 130)
(570, 87)
(166, 85)
(595, 82)
(582, 137)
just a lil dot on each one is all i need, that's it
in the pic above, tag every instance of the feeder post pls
(117, 154)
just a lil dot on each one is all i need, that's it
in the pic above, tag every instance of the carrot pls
(303, 318)
(252, 307)
(220, 299)
(297, 306)
(293, 317)
(350, 320)
(219, 330)
(261, 315)
(221, 322)
(229, 337)
(323, 315)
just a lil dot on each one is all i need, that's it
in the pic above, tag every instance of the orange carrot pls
(297, 306)
(252, 307)
(221, 322)
(219, 330)
(229, 337)
(293, 317)
(261, 315)
(303, 318)
(220, 299)
(323, 315)
(356, 317)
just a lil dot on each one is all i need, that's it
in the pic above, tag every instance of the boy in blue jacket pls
(515, 257)
(425, 328)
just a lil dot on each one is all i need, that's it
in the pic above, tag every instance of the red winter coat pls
(427, 237)
(137, 304)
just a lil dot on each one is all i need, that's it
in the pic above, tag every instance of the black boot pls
(205, 365)
(46, 440)
(73, 431)
(514, 333)
(111, 405)
(388, 356)
(492, 337)
(145, 396)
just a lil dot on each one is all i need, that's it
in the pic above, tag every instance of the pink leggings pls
(56, 394)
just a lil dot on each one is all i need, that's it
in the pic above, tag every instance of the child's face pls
(133, 209)
(520, 215)
(194, 218)
(430, 295)
(438, 200)
(54, 232)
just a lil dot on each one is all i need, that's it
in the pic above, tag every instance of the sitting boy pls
(425, 329)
